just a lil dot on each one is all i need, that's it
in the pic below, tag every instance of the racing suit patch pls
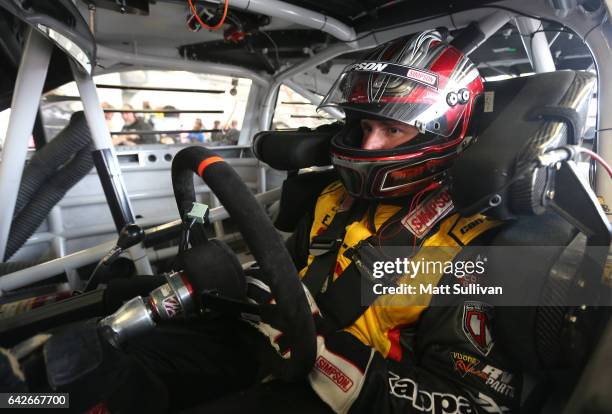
(334, 373)
(337, 379)
(428, 213)
(499, 380)
(476, 325)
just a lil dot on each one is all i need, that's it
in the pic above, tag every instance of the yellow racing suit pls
(400, 354)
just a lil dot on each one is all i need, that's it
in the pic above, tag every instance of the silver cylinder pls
(130, 320)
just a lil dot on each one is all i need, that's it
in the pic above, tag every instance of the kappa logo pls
(172, 306)
(331, 371)
(425, 401)
(476, 325)
(367, 66)
(428, 213)
(423, 77)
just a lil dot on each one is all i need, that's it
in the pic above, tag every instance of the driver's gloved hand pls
(341, 361)
(259, 293)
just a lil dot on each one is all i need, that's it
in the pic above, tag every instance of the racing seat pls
(554, 225)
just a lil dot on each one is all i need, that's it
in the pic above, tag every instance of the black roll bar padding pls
(53, 190)
(469, 38)
(45, 162)
(266, 244)
(51, 172)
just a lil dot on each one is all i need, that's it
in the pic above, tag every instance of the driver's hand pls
(334, 368)
(259, 293)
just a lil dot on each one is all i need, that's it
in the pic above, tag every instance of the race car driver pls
(408, 107)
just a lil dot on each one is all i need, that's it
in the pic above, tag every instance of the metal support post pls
(600, 43)
(58, 245)
(536, 44)
(107, 165)
(24, 107)
(56, 227)
(261, 179)
(250, 123)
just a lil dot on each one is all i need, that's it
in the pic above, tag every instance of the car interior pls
(525, 165)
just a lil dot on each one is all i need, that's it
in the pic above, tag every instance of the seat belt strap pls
(325, 246)
(345, 300)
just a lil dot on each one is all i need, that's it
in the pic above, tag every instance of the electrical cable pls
(204, 25)
(596, 157)
(184, 242)
(605, 17)
(278, 64)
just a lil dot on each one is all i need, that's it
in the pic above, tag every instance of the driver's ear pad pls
(213, 267)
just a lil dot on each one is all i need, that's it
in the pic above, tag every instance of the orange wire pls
(204, 25)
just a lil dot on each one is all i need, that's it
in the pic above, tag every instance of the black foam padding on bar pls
(299, 196)
(293, 150)
(266, 245)
(469, 38)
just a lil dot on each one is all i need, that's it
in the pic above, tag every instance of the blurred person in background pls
(232, 134)
(108, 116)
(134, 123)
(197, 137)
(148, 117)
(169, 122)
(216, 136)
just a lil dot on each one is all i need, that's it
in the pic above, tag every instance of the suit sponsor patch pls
(428, 213)
(334, 373)
(499, 380)
(476, 325)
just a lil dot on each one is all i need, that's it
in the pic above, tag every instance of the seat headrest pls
(295, 149)
(521, 119)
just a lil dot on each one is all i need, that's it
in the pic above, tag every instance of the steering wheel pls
(277, 268)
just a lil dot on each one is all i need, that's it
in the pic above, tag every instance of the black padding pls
(52, 171)
(299, 196)
(214, 268)
(293, 150)
(510, 136)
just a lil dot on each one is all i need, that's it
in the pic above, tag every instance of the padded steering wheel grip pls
(278, 270)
